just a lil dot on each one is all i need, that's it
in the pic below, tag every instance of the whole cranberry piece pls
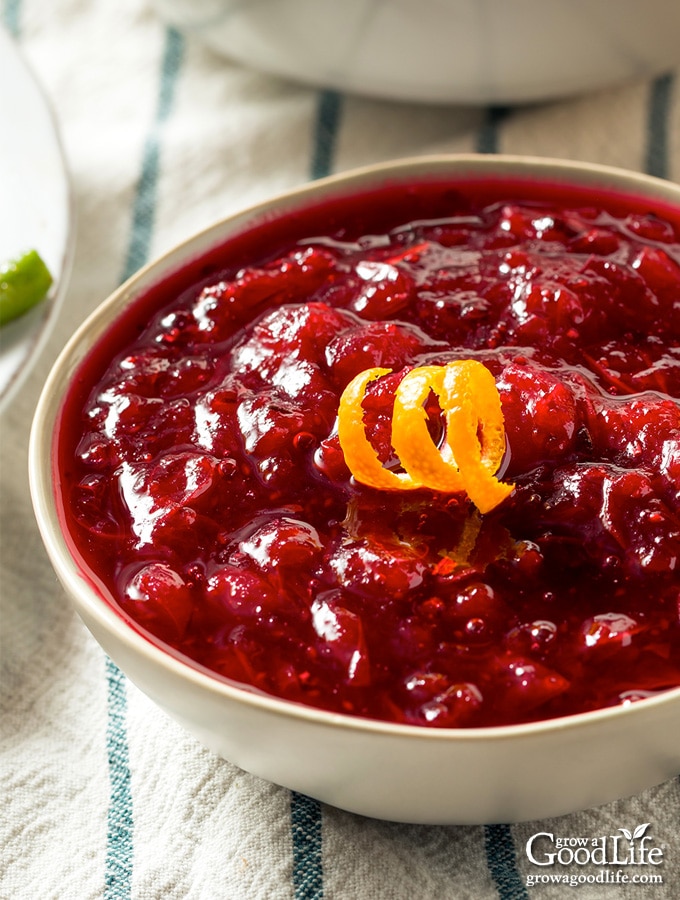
(639, 431)
(297, 331)
(609, 630)
(98, 452)
(155, 492)
(601, 241)
(128, 414)
(524, 685)
(660, 272)
(475, 613)
(341, 633)
(269, 423)
(541, 421)
(383, 290)
(437, 700)
(389, 345)
(283, 542)
(159, 599)
(527, 560)
(215, 423)
(330, 460)
(229, 302)
(534, 639)
(373, 568)
(620, 513)
(237, 594)
(650, 227)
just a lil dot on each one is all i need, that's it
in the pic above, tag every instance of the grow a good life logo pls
(628, 857)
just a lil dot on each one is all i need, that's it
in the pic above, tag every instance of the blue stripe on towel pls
(305, 819)
(145, 197)
(326, 128)
(120, 826)
(502, 862)
(119, 849)
(656, 162)
(11, 17)
(488, 135)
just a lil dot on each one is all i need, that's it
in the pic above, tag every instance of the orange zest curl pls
(360, 456)
(474, 441)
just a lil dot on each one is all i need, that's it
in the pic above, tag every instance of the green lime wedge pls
(23, 283)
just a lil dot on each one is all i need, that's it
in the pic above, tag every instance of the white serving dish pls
(441, 51)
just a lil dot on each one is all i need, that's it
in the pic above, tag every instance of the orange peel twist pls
(474, 442)
(361, 458)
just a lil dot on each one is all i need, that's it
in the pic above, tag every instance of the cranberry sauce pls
(204, 489)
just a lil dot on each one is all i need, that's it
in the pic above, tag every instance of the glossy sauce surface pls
(203, 486)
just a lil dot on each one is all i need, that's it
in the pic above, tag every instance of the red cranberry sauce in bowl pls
(200, 473)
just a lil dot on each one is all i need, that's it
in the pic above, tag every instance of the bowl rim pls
(80, 586)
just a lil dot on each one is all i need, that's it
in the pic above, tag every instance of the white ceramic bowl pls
(454, 51)
(403, 773)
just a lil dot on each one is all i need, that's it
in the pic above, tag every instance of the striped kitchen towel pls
(102, 795)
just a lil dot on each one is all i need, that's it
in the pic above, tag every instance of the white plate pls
(36, 203)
